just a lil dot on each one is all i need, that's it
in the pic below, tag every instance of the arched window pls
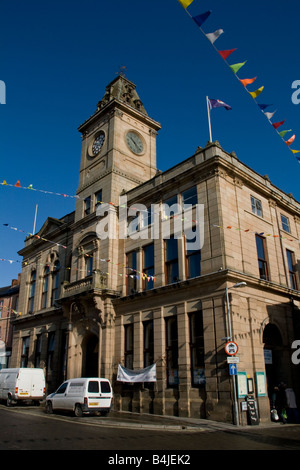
(88, 265)
(55, 282)
(31, 291)
(45, 286)
(87, 252)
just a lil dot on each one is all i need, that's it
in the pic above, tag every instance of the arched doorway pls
(90, 353)
(273, 356)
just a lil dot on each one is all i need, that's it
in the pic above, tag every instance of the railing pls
(96, 281)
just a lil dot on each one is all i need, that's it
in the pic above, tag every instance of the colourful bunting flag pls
(18, 185)
(185, 3)
(225, 54)
(294, 151)
(282, 133)
(212, 37)
(291, 140)
(264, 106)
(269, 115)
(277, 124)
(200, 19)
(255, 93)
(236, 67)
(218, 104)
(247, 81)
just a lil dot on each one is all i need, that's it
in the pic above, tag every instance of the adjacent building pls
(165, 268)
(9, 299)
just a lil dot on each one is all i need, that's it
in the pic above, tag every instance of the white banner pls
(142, 375)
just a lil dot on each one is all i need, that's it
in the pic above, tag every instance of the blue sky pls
(56, 58)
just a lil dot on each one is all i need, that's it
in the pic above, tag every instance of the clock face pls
(134, 142)
(98, 143)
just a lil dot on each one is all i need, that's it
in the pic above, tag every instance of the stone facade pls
(90, 303)
(9, 299)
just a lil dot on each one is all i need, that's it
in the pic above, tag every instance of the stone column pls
(159, 357)
(184, 363)
(219, 399)
(137, 359)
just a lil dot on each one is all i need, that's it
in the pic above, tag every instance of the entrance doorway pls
(90, 351)
(273, 356)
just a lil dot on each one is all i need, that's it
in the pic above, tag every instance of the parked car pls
(82, 395)
(22, 384)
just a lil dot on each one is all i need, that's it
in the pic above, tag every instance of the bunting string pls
(199, 20)
(31, 188)
(229, 227)
(135, 274)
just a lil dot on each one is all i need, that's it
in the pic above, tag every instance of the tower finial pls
(122, 69)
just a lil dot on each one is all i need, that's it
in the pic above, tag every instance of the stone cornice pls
(113, 104)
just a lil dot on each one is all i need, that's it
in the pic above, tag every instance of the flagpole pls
(209, 123)
(34, 222)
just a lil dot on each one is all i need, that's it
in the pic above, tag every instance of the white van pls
(22, 384)
(82, 395)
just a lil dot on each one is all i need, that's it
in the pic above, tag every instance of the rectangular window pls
(63, 355)
(25, 351)
(128, 353)
(87, 205)
(292, 271)
(146, 217)
(38, 351)
(172, 351)
(256, 206)
(193, 263)
(50, 351)
(261, 256)
(190, 196)
(285, 223)
(148, 266)
(98, 198)
(131, 265)
(148, 343)
(197, 348)
(170, 206)
(171, 260)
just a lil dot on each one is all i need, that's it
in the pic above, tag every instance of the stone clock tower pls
(118, 146)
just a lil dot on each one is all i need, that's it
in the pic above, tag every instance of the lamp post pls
(229, 338)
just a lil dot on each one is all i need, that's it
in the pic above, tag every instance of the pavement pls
(151, 421)
(131, 420)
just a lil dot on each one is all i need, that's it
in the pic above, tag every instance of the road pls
(29, 428)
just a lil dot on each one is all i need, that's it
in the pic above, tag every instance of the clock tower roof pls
(123, 90)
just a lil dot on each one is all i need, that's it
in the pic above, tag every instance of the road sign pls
(233, 360)
(231, 348)
(232, 369)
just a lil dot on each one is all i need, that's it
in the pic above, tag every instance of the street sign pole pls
(229, 330)
(235, 400)
(236, 409)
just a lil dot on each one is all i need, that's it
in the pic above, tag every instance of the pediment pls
(50, 225)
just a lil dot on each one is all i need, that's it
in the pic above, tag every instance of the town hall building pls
(103, 287)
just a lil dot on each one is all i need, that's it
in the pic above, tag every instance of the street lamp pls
(229, 338)
(238, 284)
